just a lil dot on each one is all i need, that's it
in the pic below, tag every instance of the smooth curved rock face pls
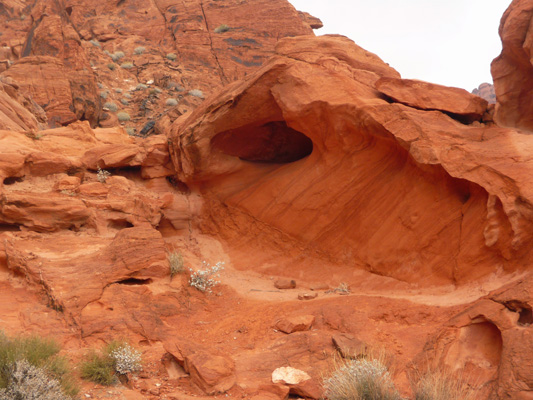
(402, 192)
(512, 70)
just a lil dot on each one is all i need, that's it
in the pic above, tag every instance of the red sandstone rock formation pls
(326, 119)
(512, 70)
(486, 91)
(320, 167)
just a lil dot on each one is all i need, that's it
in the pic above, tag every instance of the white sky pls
(450, 42)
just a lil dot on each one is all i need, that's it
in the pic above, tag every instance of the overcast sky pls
(450, 42)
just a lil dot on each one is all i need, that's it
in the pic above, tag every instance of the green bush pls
(116, 358)
(111, 66)
(172, 56)
(139, 50)
(40, 353)
(95, 43)
(111, 106)
(171, 102)
(125, 101)
(141, 86)
(123, 116)
(222, 28)
(118, 90)
(361, 379)
(126, 65)
(130, 130)
(104, 94)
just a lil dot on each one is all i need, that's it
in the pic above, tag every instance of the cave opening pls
(272, 142)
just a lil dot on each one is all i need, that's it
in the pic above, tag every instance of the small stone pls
(307, 296)
(284, 283)
(319, 286)
(349, 346)
(289, 376)
(295, 324)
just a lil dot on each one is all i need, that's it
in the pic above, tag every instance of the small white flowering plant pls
(127, 359)
(102, 175)
(204, 279)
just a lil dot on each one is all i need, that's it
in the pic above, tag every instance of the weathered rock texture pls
(59, 51)
(321, 169)
(308, 146)
(486, 91)
(512, 70)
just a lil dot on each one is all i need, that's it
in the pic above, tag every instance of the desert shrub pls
(171, 102)
(125, 101)
(130, 131)
(104, 94)
(42, 355)
(127, 95)
(196, 93)
(31, 383)
(171, 56)
(154, 91)
(111, 106)
(95, 43)
(203, 279)
(139, 50)
(123, 116)
(102, 175)
(118, 90)
(441, 385)
(141, 86)
(126, 65)
(175, 260)
(116, 358)
(111, 66)
(117, 55)
(362, 379)
(222, 28)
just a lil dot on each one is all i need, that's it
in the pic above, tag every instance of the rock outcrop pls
(512, 70)
(309, 141)
(486, 91)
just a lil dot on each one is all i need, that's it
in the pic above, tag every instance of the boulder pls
(295, 324)
(429, 96)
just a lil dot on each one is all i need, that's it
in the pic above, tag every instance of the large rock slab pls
(430, 96)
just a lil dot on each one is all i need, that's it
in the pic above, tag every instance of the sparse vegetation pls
(196, 93)
(104, 94)
(172, 56)
(102, 175)
(203, 278)
(123, 116)
(141, 86)
(139, 50)
(111, 106)
(111, 66)
(130, 131)
(171, 102)
(441, 385)
(117, 55)
(362, 379)
(154, 91)
(222, 28)
(30, 368)
(175, 260)
(125, 101)
(116, 358)
(95, 43)
(127, 95)
(126, 65)
(118, 90)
